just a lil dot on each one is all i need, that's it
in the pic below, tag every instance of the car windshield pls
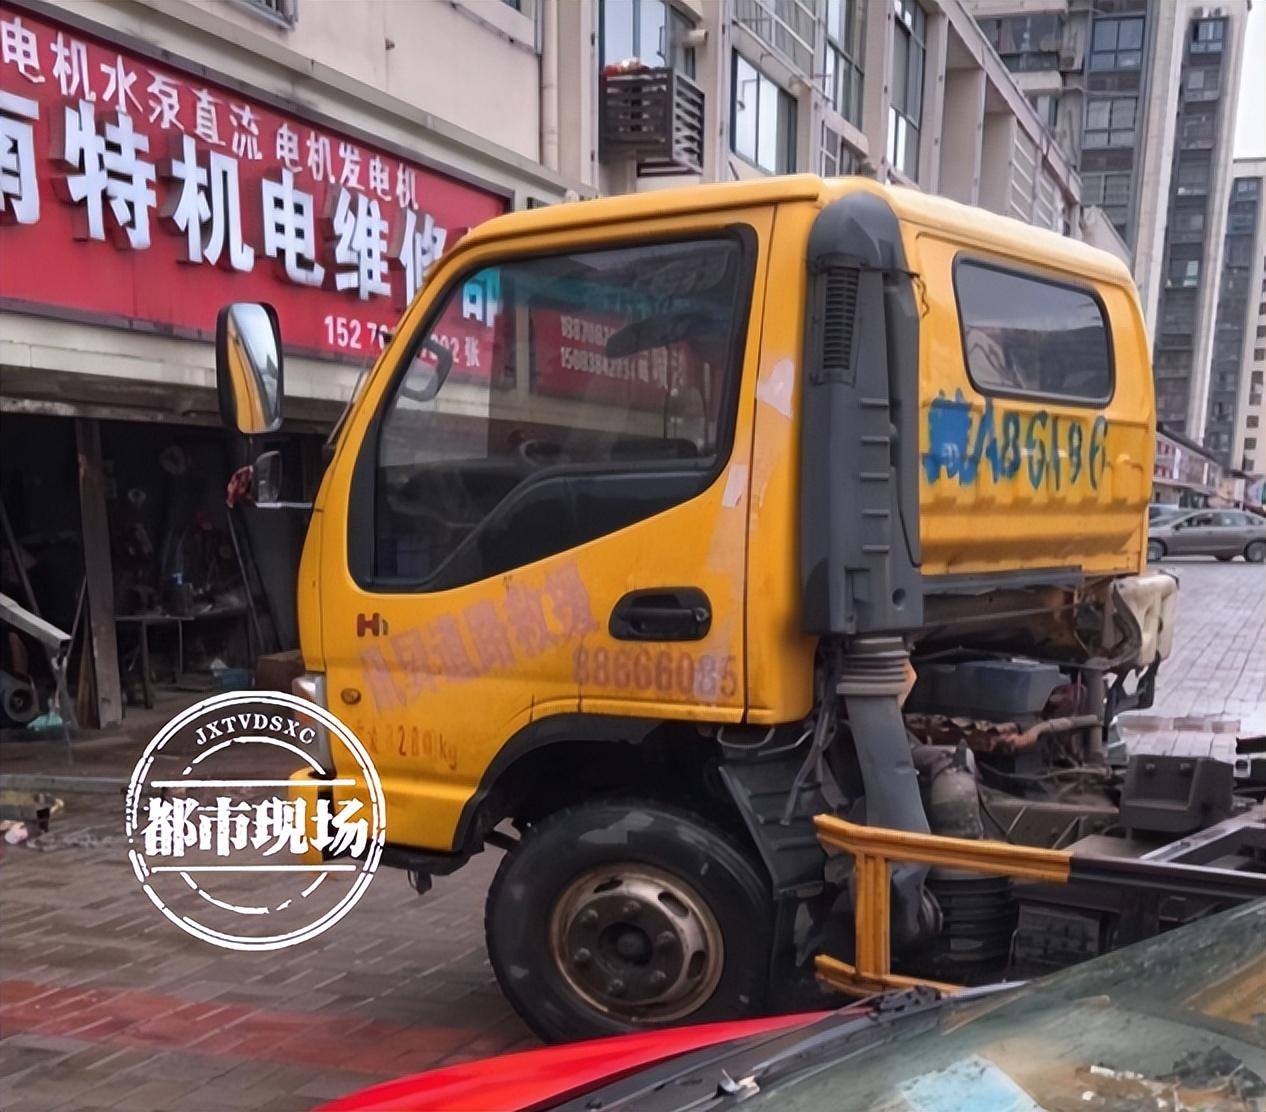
(1178, 1022)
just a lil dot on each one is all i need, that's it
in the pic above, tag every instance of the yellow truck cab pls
(665, 523)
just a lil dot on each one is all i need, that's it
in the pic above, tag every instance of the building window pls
(762, 120)
(1117, 44)
(1184, 273)
(1247, 188)
(835, 156)
(1026, 43)
(1110, 121)
(1047, 107)
(1252, 422)
(1201, 83)
(845, 36)
(652, 31)
(1259, 354)
(285, 12)
(1024, 335)
(1250, 442)
(1206, 36)
(905, 117)
(1189, 221)
(1111, 192)
(1198, 125)
(1193, 179)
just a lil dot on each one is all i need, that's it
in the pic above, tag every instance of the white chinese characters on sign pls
(206, 205)
(132, 144)
(361, 245)
(108, 167)
(71, 68)
(19, 194)
(290, 230)
(419, 243)
(18, 48)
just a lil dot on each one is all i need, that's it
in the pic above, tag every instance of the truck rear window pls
(1028, 335)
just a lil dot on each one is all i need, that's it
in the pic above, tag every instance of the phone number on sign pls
(352, 334)
(703, 676)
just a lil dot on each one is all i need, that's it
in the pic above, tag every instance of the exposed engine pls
(1014, 752)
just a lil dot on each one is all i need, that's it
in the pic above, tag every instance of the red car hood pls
(516, 1082)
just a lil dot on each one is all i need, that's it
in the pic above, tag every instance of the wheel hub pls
(638, 942)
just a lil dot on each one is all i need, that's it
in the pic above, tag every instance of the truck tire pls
(627, 915)
(1155, 552)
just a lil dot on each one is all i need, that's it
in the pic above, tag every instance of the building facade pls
(1227, 422)
(903, 91)
(162, 158)
(1142, 95)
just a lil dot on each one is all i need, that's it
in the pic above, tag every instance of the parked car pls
(1221, 533)
(1173, 1022)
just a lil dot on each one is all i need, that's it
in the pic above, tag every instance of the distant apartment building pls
(902, 90)
(1251, 425)
(1230, 423)
(1141, 95)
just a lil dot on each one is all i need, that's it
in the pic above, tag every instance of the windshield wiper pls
(889, 1010)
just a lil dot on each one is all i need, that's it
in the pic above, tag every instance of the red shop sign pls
(130, 191)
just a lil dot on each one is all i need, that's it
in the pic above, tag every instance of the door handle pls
(662, 614)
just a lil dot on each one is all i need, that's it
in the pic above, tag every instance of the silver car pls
(1221, 533)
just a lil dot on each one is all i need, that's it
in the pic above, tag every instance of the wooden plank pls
(108, 693)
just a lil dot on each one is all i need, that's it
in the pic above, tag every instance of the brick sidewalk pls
(104, 1004)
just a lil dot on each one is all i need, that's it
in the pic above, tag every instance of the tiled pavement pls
(104, 1004)
(1213, 686)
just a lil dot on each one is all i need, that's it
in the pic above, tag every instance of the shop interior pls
(117, 536)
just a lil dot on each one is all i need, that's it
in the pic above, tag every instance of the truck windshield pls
(536, 385)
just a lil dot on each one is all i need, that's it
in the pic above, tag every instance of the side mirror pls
(248, 367)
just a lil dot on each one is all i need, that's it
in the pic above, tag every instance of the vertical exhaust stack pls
(861, 584)
(872, 683)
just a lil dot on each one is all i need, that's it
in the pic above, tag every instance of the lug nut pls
(665, 939)
(581, 957)
(659, 979)
(615, 988)
(630, 909)
(588, 918)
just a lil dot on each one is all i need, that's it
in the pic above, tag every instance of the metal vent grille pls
(839, 317)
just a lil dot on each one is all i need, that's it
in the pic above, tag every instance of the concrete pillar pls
(963, 134)
(997, 147)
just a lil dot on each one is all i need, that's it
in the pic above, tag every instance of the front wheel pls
(621, 916)
(1155, 552)
(1255, 553)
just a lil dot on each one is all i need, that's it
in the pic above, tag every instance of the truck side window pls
(1027, 335)
(552, 400)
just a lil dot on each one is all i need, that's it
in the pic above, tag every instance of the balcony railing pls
(655, 118)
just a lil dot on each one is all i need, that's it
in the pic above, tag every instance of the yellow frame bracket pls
(873, 850)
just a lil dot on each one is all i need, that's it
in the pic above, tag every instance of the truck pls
(674, 539)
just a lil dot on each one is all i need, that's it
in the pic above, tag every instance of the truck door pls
(539, 509)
